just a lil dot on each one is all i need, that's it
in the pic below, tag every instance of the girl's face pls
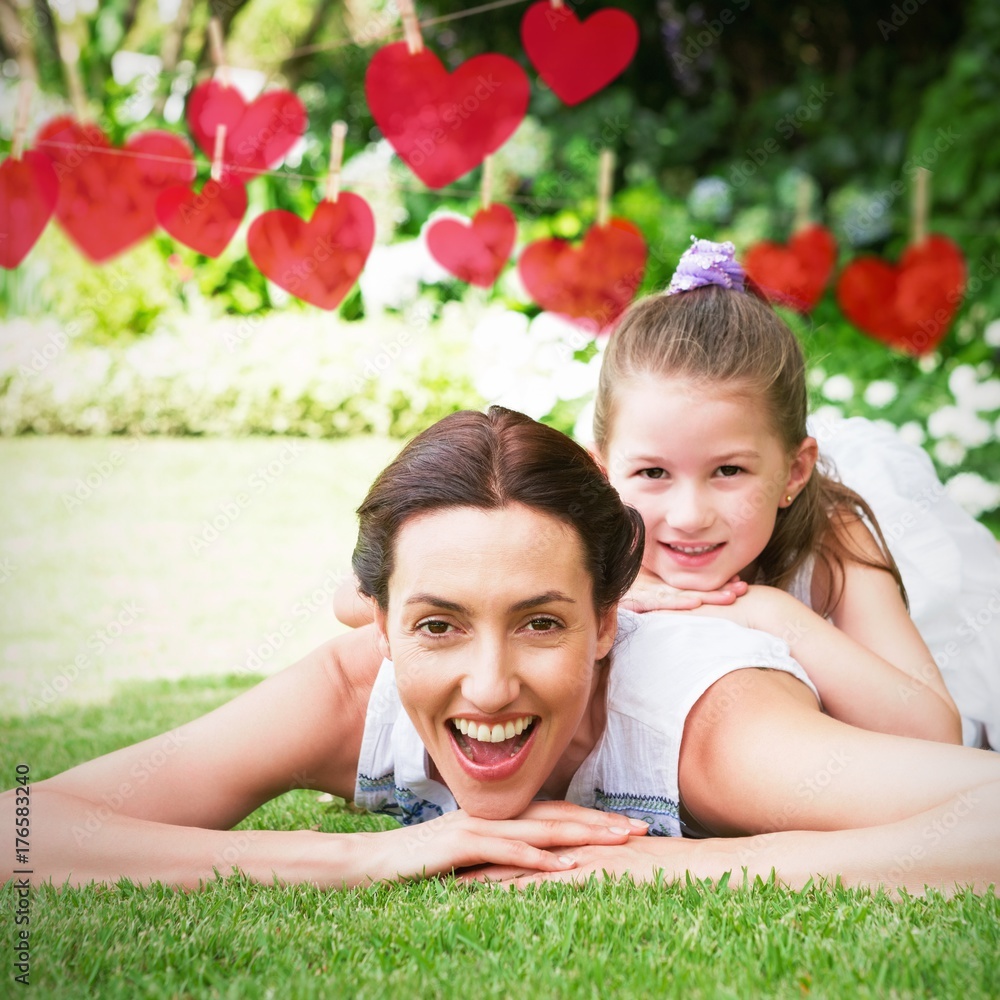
(707, 472)
(494, 638)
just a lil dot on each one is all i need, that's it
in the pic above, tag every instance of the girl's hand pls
(458, 840)
(650, 593)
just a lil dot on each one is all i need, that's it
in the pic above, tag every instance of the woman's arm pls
(161, 809)
(856, 685)
(789, 788)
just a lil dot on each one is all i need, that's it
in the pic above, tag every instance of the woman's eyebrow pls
(528, 602)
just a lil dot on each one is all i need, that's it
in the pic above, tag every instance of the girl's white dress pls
(950, 563)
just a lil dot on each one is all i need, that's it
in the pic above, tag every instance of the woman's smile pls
(492, 632)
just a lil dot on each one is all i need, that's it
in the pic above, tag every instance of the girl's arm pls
(856, 685)
(162, 809)
(871, 611)
(788, 788)
(350, 608)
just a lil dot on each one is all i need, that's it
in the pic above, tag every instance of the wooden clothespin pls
(69, 54)
(486, 184)
(337, 134)
(803, 200)
(606, 171)
(411, 26)
(24, 94)
(218, 154)
(218, 51)
(920, 206)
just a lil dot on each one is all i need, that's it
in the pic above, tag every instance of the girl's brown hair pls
(721, 337)
(489, 461)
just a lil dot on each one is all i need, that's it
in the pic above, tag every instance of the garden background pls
(139, 400)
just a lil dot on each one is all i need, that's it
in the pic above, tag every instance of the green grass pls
(242, 940)
(73, 568)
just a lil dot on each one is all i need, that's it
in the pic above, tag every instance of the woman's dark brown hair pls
(489, 461)
(722, 338)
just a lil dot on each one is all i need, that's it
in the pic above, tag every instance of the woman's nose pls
(491, 680)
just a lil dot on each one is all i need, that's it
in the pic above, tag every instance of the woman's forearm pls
(950, 846)
(75, 842)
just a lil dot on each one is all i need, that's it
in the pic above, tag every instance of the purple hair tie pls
(707, 263)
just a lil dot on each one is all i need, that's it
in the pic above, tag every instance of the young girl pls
(700, 420)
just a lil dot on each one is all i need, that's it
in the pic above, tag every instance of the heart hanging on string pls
(107, 196)
(317, 261)
(578, 58)
(206, 221)
(29, 191)
(591, 284)
(794, 275)
(474, 251)
(444, 124)
(258, 134)
(909, 306)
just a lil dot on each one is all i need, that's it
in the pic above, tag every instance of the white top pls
(950, 564)
(661, 664)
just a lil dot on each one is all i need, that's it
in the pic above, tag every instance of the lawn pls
(188, 643)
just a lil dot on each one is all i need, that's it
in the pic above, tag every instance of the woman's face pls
(493, 634)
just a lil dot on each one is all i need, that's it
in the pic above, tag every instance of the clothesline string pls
(287, 174)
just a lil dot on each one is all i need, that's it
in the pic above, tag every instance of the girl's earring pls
(788, 498)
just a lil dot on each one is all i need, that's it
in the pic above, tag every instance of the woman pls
(495, 552)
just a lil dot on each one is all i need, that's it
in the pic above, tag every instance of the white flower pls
(961, 380)
(825, 417)
(949, 452)
(912, 433)
(992, 334)
(961, 425)
(880, 393)
(838, 389)
(583, 429)
(975, 494)
(986, 396)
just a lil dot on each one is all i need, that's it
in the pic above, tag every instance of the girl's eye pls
(434, 627)
(543, 624)
(654, 473)
(728, 471)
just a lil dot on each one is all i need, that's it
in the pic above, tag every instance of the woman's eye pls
(434, 627)
(654, 473)
(728, 471)
(543, 624)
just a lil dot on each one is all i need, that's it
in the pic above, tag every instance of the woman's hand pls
(645, 859)
(650, 593)
(537, 840)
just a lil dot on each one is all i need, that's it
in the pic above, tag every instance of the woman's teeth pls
(492, 734)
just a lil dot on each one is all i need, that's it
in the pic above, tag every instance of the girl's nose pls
(687, 510)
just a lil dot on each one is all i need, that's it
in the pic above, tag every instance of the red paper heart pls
(910, 306)
(317, 261)
(29, 192)
(107, 196)
(475, 252)
(577, 59)
(444, 124)
(591, 284)
(206, 222)
(258, 134)
(794, 275)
